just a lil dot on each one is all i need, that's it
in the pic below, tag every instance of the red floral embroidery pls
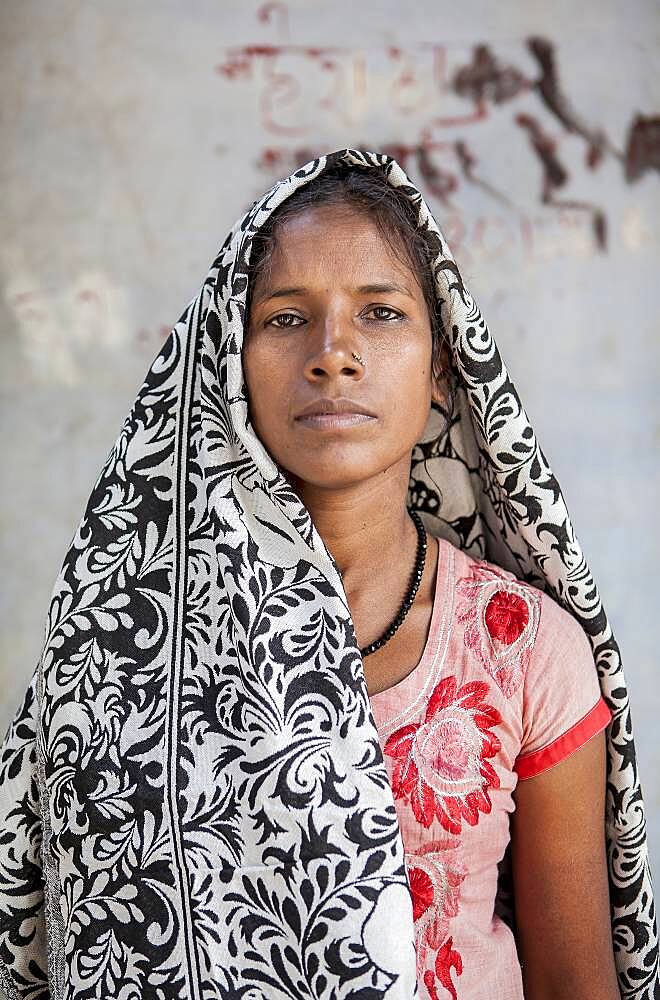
(446, 960)
(501, 618)
(506, 616)
(442, 764)
(421, 887)
(435, 875)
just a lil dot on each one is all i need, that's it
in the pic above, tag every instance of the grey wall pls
(135, 134)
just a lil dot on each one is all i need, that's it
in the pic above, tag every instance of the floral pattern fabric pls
(491, 684)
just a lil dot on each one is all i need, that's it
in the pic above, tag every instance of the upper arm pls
(560, 879)
(558, 846)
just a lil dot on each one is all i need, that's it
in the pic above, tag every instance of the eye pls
(285, 315)
(388, 309)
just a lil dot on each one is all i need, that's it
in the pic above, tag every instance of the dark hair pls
(396, 217)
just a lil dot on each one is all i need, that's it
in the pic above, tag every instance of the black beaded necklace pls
(420, 559)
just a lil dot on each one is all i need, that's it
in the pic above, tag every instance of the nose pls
(332, 350)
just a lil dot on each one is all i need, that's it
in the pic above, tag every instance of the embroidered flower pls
(435, 875)
(442, 764)
(421, 887)
(501, 618)
(506, 616)
(446, 960)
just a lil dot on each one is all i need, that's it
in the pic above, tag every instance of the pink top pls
(505, 689)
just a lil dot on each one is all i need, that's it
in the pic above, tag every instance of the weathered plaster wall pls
(134, 135)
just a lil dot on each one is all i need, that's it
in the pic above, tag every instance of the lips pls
(334, 421)
(338, 406)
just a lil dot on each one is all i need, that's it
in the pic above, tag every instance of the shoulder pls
(537, 653)
(510, 604)
(516, 630)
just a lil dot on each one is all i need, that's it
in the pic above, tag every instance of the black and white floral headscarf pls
(193, 800)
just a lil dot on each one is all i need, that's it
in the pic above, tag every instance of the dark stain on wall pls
(643, 147)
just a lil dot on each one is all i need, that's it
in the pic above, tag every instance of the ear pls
(439, 387)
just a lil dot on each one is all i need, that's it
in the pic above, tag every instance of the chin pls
(340, 475)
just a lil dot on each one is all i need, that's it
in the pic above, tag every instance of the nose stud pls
(358, 358)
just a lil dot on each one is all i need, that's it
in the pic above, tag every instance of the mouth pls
(334, 421)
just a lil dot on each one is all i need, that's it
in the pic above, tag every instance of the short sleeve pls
(563, 706)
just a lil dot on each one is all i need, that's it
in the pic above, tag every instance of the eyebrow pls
(373, 289)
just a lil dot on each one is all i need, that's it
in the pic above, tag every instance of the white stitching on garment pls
(433, 673)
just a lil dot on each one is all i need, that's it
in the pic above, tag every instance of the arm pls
(560, 880)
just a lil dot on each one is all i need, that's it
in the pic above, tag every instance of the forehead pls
(338, 237)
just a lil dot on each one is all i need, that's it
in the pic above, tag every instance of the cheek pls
(266, 389)
(410, 386)
(256, 365)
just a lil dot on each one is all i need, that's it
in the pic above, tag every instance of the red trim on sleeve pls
(596, 719)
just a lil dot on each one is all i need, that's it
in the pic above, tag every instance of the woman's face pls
(307, 317)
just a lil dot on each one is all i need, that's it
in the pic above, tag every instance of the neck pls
(365, 526)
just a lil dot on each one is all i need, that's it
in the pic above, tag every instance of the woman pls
(285, 708)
